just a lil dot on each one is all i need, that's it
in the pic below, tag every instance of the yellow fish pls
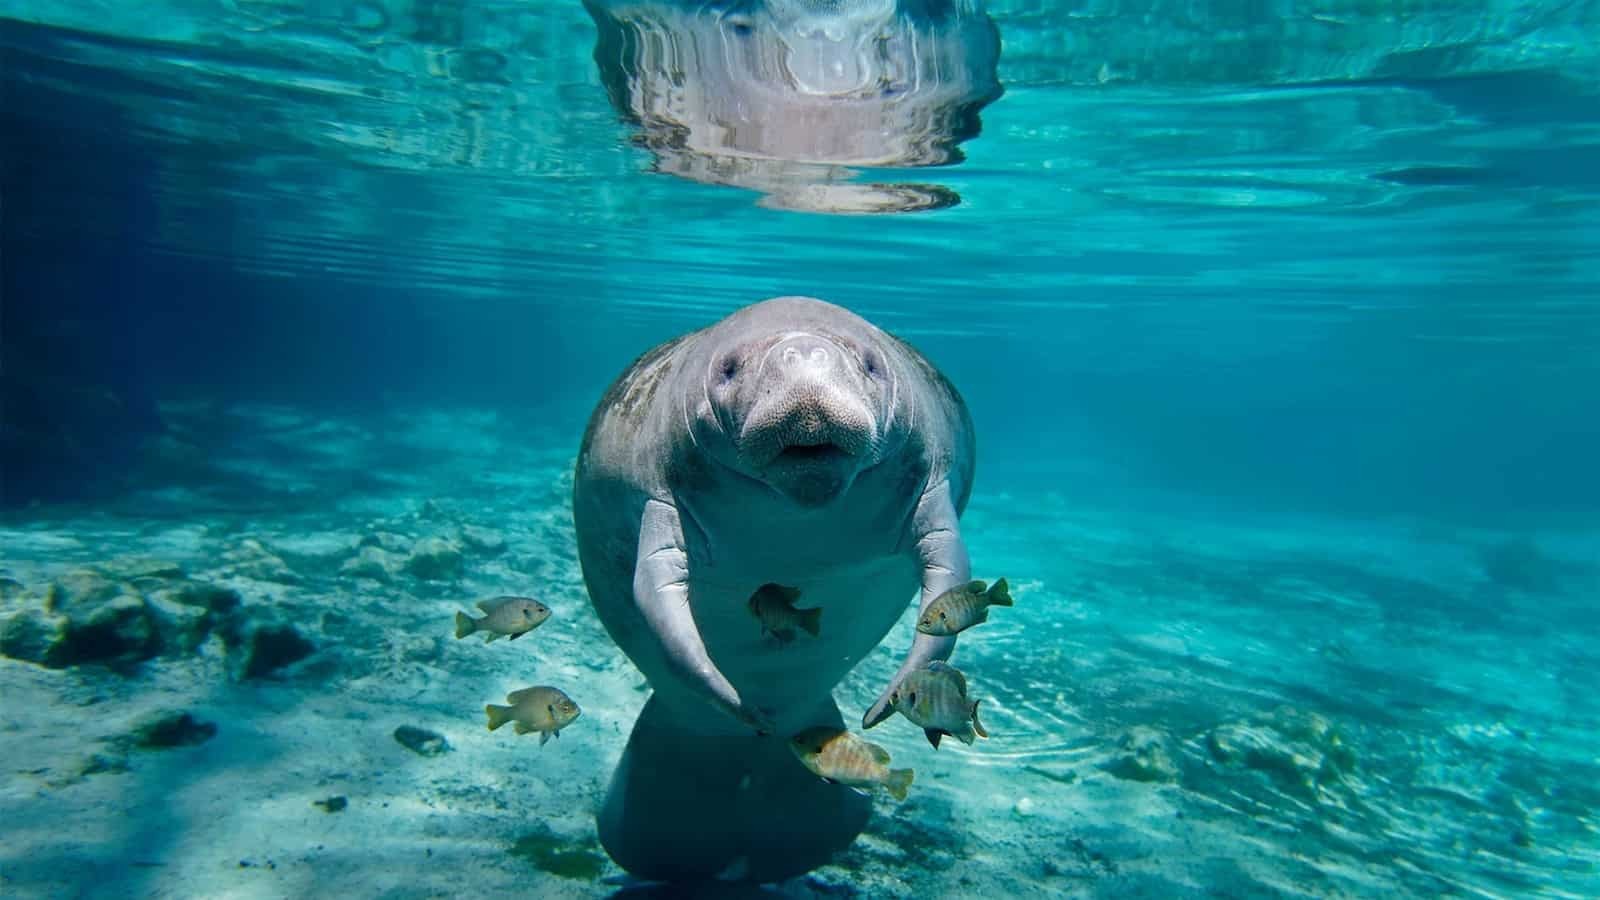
(514, 616)
(773, 605)
(962, 607)
(544, 709)
(834, 754)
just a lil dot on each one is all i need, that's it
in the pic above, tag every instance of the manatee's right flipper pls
(689, 807)
(942, 556)
(661, 592)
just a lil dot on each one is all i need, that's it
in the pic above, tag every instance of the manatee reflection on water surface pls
(782, 96)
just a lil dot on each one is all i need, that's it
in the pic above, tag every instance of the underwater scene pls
(799, 448)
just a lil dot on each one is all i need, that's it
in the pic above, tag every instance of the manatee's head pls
(799, 395)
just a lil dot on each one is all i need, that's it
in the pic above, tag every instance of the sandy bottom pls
(1179, 704)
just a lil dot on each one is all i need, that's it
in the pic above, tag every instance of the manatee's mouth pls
(821, 453)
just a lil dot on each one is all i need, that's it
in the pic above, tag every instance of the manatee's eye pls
(913, 698)
(551, 709)
(873, 364)
(942, 617)
(729, 367)
(739, 25)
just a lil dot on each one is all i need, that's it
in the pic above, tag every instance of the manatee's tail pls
(686, 806)
(464, 625)
(899, 783)
(811, 620)
(999, 594)
(498, 715)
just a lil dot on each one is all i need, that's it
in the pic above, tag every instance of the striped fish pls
(935, 698)
(834, 754)
(962, 607)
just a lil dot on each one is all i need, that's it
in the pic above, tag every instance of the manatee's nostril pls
(806, 353)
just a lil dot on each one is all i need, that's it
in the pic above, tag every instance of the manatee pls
(791, 443)
(780, 96)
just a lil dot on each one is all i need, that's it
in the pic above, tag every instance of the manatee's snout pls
(811, 429)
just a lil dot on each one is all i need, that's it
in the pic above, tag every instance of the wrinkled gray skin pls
(778, 95)
(793, 443)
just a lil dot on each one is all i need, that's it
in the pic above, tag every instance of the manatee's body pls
(792, 443)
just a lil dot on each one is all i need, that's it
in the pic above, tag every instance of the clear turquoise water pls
(1279, 321)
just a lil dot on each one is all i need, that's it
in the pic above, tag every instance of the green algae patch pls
(559, 857)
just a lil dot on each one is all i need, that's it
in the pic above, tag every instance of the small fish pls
(514, 616)
(543, 709)
(962, 607)
(835, 755)
(773, 605)
(935, 698)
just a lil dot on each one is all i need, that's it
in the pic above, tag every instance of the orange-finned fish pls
(514, 616)
(544, 709)
(836, 755)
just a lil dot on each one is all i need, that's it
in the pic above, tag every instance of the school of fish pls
(934, 698)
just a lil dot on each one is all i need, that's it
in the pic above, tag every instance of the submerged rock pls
(422, 741)
(435, 559)
(252, 559)
(260, 643)
(86, 617)
(29, 636)
(186, 613)
(387, 540)
(374, 562)
(99, 621)
(332, 804)
(483, 541)
(1143, 754)
(1303, 753)
(171, 729)
(133, 568)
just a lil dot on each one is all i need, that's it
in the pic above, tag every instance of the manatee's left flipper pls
(943, 557)
(661, 592)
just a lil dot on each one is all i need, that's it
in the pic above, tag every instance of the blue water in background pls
(1273, 266)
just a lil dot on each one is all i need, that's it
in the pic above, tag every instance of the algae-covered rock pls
(182, 627)
(372, 561)
(210, 597)
(186, 612)
(252, 559)
(435, 559)
(1301, 752)
(29, 635)
(85, 616)
(106, 621)
(260, 643)
(1143, 754)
